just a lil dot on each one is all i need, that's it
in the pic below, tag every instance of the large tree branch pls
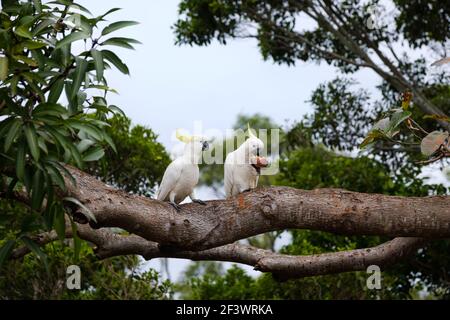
(281, 265)
(209, 232)
(222, 222)
(109, 244)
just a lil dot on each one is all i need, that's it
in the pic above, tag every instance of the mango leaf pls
(115, 60)
(118, 25)
(382, 124)
(74, 36)
(84, 144)
(396, 119)
(55, 91)
(59, 222)
(38, 190)
(98, 61)
(94, 154)
(78, 78)
(30, 45)
(56, 176)
(30, 134)
(120, 42)
(432, 142)
(76, 242)
(20, 162)
(3, 68)
(24, 31)
(88, 213)
(12, 133)
(6, 250)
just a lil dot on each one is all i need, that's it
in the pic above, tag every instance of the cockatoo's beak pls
(205, 145)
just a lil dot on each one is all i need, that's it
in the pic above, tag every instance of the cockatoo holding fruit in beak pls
(243, 166)
(181, 176)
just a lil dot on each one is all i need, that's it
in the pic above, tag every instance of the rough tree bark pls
(210, 232)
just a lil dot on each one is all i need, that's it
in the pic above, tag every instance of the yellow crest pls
(250, 132)
(182, 137)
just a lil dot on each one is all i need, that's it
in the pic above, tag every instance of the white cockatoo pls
(181, 176)
(242, 166)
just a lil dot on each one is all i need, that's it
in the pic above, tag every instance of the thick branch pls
(283, 266)
(222, 222)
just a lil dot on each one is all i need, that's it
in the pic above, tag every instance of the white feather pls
(239, 174)
(181, 176)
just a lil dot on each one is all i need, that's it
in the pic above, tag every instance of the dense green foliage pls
(53, 104)
(114, 278)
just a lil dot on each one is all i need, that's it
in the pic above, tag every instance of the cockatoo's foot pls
(203, 203)
(177, 207)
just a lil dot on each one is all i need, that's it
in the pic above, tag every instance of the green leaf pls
(3, 68)
(115, 60)
(382, 125)
(397, 118)
(30, 134)
(38, 190)
(51, 109)
(60, 223)
(120, 42)
(84, 144)
(98, 61)
(107, 13)
(55, 91)
(74, 36)
(76, 242)
(30, 45)
(20, 162)
(94, 154)
(433, 141)
(88, 213)
(110, 142)
(117, 110)
(24, 31)
(80, 73)
(56, 176)
(38, 5)
(89, 129)
(6, 250)
(118, 25)
(371, 137)
(12, 134)
(34, 247)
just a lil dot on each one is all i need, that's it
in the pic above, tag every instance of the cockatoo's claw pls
(177, 207)
(247, 190)
(203, 203)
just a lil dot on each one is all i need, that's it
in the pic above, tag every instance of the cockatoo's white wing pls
(229, 175)
(169, 180)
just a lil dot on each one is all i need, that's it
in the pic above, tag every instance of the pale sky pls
(172, 86)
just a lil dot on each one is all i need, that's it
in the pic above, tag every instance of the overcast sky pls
(171, 87)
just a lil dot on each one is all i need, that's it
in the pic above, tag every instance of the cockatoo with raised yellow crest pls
(242, 166)
(181, 176)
